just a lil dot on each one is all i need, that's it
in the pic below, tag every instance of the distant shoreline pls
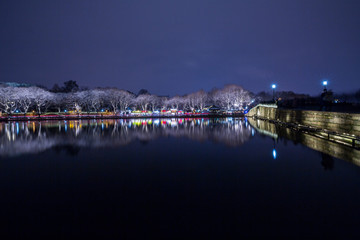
(95, 117)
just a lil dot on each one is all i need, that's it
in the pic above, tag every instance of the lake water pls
(174, 178)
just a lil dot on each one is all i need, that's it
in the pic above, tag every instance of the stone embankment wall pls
(348, 123)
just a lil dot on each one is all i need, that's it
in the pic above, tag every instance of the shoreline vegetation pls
(108, 115)
(22, 102)
(18, 101)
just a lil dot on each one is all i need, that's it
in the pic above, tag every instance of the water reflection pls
(327, 149)
(18, 138)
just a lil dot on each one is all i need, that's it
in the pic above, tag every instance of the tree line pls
(71, 98)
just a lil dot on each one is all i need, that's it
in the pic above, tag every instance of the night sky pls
(176, 47)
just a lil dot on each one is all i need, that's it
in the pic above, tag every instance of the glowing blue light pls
(274, 153)
(17, 111)
(102, 110)
(325, 83)
(65, 110)
(273, 86)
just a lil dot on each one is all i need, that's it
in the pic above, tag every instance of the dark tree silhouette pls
(70, 86)
(143, 92)
(56, 88)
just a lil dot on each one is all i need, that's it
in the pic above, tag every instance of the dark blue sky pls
(175, 47)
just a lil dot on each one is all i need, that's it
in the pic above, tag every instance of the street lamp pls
(273, 86)
(325, 83)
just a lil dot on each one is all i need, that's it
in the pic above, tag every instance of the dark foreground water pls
(174, 178)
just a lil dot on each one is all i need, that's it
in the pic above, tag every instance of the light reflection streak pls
(96, 133)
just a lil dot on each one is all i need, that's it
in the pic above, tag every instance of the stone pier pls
(342, 123)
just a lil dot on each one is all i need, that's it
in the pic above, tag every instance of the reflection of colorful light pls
(274, 153)
(136, 123)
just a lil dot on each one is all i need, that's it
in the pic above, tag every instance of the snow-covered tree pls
(175, 102)
(93, 99)
(24, 98)
(143, 101)
(154, 102)
(118, 99)
(42, 98)
(231, 96)
(8, 99)
(126, 99)
(197, 100)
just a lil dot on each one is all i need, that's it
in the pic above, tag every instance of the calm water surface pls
(174, 178)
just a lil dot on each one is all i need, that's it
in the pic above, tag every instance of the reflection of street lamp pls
(273, 88)
(325, 83)
(274, 153)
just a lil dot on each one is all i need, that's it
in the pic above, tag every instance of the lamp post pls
(273, 86)
(325, 83)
